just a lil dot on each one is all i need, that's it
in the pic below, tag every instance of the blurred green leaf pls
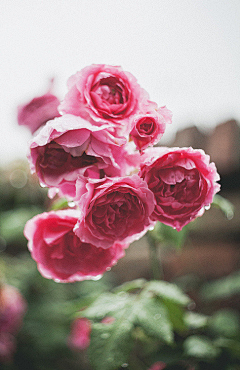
(168, 291)
(131, 286)
(12, 223)
(225, 322)
(224, 205)
(222, 288)
(195, 320)
(200, 347)
(59, 204)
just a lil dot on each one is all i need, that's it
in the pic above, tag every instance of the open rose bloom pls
(95, 151)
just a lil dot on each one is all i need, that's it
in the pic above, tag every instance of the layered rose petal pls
(70, 146)
(38, 111)
(102, 94)
(113, 209)
(60, 254)
(183, 182)
(148, 127)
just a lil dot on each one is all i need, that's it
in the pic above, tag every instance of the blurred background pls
(186, 54)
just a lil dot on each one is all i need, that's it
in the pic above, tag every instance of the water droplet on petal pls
(71, 204)
(108, 268)
(43, 185)
(124, 365)
(208, 207)
(57, 280)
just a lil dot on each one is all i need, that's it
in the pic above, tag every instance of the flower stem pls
(156, 266)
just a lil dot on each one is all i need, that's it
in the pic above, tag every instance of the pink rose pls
(113, 209)
(103, 93)
(38, 111)
(183, 181)
(79, 338)
(158, 366)
(60, 254)
(69, 146)
(149, 127)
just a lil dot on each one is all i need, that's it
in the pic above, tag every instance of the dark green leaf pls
(222, 288)
(225, 322)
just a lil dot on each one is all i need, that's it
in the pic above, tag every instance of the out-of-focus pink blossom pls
(79, 338)
(183, 181)
(102, 93)
(148, 127)
(12, 309)
(60, 254)
(158, 366)
(69, 146)
(113, 209)
(38, 111)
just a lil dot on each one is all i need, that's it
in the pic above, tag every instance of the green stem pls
(156, 266)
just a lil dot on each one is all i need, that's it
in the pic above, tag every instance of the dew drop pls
(229, 215)
(105, 335)
(191, 306)
(108, 269)
(57, 280)
(208, 207)
(43, 185)
(151, 228)
(157, 316)
(71, 204)
(124, 365)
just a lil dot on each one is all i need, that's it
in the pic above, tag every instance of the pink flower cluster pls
(12, 309)
(98, 152)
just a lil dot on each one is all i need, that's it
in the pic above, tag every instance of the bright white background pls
(185, 53)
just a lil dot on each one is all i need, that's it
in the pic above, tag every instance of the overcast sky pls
(185, 53)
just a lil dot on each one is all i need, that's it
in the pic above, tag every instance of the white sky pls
(185, 53)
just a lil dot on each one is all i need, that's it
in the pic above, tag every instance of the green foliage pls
(168, 236)
(222, 288)
(200, 347)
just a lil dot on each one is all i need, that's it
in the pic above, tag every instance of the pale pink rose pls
(70, 146)
(113, 209)
(148, 127)
(158, 366)
(12, 309)
(183, 181)
(38, 111)
(102, 93)
(60, 254)
(79, 338)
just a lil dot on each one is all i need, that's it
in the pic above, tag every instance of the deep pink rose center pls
(146, 126)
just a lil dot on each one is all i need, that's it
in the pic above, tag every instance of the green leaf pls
(131, 285)
(168, 291)
(225, 322)
(110, 344)
(224, 205)
(152, 316)
(200, 347)
(222, 288)
(106, 304)
(195, 320)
